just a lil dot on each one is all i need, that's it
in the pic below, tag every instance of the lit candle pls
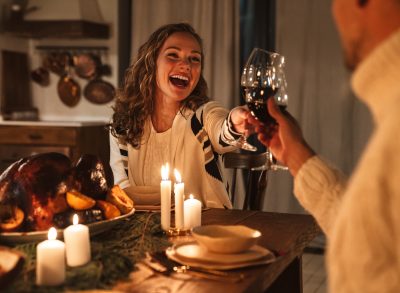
(165, 198)
(179, 187)
(77, 242)
(192, 212)
(50, 260)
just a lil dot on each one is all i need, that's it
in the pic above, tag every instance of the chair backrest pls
(256, 182)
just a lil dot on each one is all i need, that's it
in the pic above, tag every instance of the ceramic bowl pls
(226, 239)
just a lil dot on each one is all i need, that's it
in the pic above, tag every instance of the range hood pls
(57, 19)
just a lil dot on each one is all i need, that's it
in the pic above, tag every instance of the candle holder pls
(173, 232)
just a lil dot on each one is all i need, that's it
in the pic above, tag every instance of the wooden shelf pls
(73, 29)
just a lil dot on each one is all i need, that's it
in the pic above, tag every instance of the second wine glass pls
(263, 78)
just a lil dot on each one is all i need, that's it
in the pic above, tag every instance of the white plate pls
(194, 251)
(227, 239)
(94, 229)
(171, 253)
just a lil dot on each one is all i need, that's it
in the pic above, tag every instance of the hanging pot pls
(41, 76)
(99, 91)
(56, 62)
(68, 89)
(86, 65)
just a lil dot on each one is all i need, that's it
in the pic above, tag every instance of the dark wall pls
(124, 37)
(257, 26)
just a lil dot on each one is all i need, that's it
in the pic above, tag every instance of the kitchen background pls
(334, 122)
(45, 98)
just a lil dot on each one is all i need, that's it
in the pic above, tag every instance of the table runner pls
(114, 254)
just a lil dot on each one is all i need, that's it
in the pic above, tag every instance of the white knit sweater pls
(196, 140)
(362, 220)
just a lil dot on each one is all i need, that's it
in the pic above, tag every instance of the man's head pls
(363, 25)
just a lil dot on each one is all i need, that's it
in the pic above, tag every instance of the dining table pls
(118, 256)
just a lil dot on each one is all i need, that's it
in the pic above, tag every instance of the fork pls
(160, 263)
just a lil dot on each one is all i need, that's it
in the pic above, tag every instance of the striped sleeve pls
(227, 132)
(119, 162)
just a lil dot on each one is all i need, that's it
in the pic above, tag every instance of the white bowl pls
(226, 239)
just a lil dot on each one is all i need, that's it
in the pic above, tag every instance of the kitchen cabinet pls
(21, 139)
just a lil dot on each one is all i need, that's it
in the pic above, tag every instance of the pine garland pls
(114, 254)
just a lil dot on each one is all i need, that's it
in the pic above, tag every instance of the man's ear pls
(362, 2)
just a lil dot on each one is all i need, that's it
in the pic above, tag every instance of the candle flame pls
(191, 196)
(75, 219)
(52, 234)
(178, 177)
(164, 172)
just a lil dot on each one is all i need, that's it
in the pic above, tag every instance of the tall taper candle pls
(179, 187)
(165, 186)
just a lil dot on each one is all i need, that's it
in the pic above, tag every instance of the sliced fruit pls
(120, 199)
(79, 201)
(109, 210)
(14, 222)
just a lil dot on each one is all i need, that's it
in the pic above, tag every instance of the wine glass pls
(263, 78)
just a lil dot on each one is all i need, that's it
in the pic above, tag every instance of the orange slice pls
(109, 210)
(78, 201)
(14, 222)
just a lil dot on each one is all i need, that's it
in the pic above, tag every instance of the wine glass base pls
(172, 232)
(248, 147)
(271, 167)
(243, 144)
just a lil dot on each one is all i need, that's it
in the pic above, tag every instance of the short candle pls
(192, 212)
(50, 261)
(77, 242)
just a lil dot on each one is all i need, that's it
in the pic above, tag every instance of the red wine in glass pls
(256, 99)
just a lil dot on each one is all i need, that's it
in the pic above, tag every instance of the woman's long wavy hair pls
(135, 99)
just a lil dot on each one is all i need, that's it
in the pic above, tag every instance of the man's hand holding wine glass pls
(284, 139)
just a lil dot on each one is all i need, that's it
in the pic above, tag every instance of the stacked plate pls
(195, 255)
(222, 247)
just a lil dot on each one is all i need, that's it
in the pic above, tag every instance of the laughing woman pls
(163, 115)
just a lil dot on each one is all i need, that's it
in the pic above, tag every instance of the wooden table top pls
(286, 234)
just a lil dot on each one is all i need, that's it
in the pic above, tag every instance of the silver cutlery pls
(160, 263)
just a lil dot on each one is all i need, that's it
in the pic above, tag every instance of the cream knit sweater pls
(362, 220)
(196, 140)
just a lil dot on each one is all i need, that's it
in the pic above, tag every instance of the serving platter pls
(35, 236)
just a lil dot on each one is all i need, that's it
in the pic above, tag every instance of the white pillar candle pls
(50, 261)
(165, 198)
(77, 242)
(192, 212)
(179, 187)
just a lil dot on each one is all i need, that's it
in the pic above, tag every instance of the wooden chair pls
(256, 182)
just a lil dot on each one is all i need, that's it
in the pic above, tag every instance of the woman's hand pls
(239, 120)
(285, 139)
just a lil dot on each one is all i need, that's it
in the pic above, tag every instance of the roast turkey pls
(37, 185)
